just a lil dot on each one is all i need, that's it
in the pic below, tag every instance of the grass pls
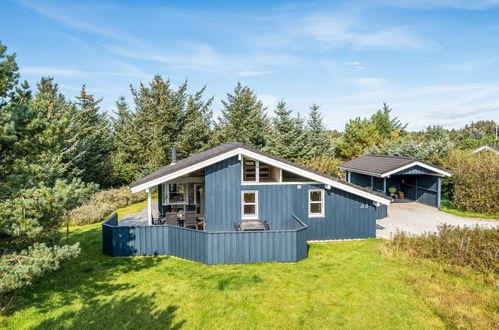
(347, 284)
(446, 206)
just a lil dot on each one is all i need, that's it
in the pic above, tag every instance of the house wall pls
(346, 215)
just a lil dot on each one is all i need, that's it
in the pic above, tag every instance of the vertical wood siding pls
(207, 247)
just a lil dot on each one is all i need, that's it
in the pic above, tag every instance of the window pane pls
(249, 170)
(249, 197)
(315, 196)
(316, 208)
(249, 209)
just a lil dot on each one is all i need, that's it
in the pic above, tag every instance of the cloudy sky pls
(436, 62)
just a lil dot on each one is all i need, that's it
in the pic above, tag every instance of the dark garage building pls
(418, 180)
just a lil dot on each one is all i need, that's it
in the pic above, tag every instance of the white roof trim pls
(287, 167)
(416, 163)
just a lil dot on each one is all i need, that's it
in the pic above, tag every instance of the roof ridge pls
(390, 156)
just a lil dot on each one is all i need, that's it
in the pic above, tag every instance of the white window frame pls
(253, 216)
(166, 199)
(257, 171)
(323, 204)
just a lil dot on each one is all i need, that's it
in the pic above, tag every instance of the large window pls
(176, 193)
(315, 203)
(256, 171)
(249, 202)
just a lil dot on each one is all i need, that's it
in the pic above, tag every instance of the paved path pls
(417, 218)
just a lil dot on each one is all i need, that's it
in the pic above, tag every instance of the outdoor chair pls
(237, 227)
(190, 220)
(171, 219)
(266, 224)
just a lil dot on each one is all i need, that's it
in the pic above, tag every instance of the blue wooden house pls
(235, 204)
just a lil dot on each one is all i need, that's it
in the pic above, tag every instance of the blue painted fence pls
(223, 247)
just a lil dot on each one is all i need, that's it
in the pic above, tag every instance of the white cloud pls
(269, 101)
(53, 72)
(252, 73)
(356, 66)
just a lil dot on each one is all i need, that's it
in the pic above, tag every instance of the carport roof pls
(383, 166)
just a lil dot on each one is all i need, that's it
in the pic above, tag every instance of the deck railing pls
(219, 247)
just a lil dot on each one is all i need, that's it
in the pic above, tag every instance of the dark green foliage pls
(33, 197)
(36, 214)
(387, 127)
(317, 142)
(23, 268)
(243, 119)
(474, 181)
(476, 247)
(360, 134)
(162, 118)
(287, 139)
(90, 136)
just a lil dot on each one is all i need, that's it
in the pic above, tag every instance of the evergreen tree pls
(317, 140)
(388, 128)
(286, 139)
(243, 119)
(196, 129)
(90, 129)
(32, 201)
(360, 134)
(162, 118)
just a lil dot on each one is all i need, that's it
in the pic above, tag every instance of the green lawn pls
(346, 284)
(445, 206)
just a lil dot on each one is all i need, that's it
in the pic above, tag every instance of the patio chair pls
(171, 219)
(190, 220)
(266, 224)
(237, 226)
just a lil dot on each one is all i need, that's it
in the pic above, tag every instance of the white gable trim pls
(287, 167)
(416, 163)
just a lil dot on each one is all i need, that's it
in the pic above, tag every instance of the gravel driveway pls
(416, 218)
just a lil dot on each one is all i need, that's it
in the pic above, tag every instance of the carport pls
(418, 180)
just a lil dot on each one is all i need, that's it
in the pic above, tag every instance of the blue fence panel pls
(208, 247)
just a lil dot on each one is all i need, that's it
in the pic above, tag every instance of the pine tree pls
(90, 129)
(286, 138)
(243, 119)
(32, 201)
(317, 140)
(388, 128)
(360, 134)
(162, 118)
(196, 125)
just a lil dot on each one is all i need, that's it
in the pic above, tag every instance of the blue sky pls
(435, 62)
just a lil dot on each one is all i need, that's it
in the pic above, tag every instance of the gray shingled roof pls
(378, 165)
(223, 148)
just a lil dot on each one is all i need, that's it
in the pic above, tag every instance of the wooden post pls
(149, 207)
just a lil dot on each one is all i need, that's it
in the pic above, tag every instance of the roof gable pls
(231, 149)
(384, 166)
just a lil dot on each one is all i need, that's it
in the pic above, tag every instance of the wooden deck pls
(138, 219)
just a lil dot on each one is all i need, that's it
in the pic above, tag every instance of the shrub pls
(475, 178)
(475, 247)
(102, 204)
(324, 164)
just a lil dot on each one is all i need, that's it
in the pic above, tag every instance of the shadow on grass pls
(129, 312)
(88, 281)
